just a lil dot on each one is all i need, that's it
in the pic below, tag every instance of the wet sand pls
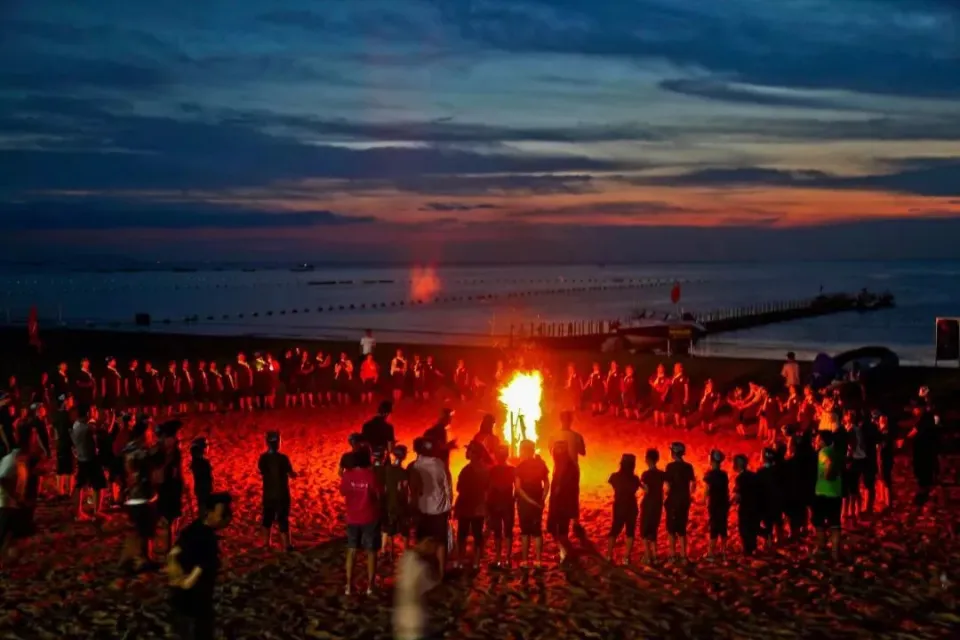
(67, 585)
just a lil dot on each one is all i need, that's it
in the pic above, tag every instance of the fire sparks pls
(521, 398)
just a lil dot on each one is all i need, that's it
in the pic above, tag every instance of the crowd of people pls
(823, 451)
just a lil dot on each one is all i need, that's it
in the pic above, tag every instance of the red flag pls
(33, 329)
(675, 293)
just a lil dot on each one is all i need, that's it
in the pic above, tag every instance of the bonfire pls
(521, 399)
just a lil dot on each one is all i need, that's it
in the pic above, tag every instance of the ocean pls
(281, 302)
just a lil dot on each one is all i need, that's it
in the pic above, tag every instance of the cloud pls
(457, 206)
(44, 73)
(865, 46)
(508, 185)
(113, 215)
(629, 210)
(918, 176)
(721, 91)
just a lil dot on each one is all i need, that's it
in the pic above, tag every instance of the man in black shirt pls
(276, 471)
(378, 433)
(192, 567)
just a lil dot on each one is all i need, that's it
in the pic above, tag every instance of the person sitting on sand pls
(651, 505)
(275, 470)
(532, 487)
(717, 491)
(362, 495)
(681, 481)
(747, 499)
(625, 485)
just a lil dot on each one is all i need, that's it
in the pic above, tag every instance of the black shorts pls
(396, 523)
(626, 522)
(467, 527)
(66, 463)
(650, 522)
(827, 512)
(531, 520)
(558, 525)
(110, 402)
(90, 475)
(678, 515)
(276, 512)
(718, 524)
(364, 536)
(170, 503)
(143, 518)
(14, 524)
(369, 386)
(500, 520)
(433, 526)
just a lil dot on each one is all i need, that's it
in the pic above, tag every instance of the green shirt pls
(825, 487)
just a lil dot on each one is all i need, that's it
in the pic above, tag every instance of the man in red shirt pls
(362, 493)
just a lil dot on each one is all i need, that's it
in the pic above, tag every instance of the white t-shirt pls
(367, 344)
(8, 469)
(413, 580)
(791, 374)
(436, 495)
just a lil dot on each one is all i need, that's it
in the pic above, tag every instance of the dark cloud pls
(863, 47)
(917, 176)
(627, 209)
(46, 73)
(111, 215)
(457, 206)
(513, 185)
(720, 91)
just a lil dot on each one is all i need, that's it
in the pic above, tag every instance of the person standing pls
(432, 493)
(369, 376)
(202, 472)
(378, 433)
(473, 484)
(89, 472)
(501, 501)
(367, 344)
(62, 429)
(111, 386)
(828, 494)
(398, 375)
(564, 498)
(192, 568)
(362, 494)
(152, 389)
(680, 479)
(86, 385)
(244, 383)
(651, 505)
(747, 499)
(887, 448)
(141, 499)
(276, 471)
(62, 384)
(718, 504)
(532, 487)
(790, 371)
(576, 447)
(625, 485)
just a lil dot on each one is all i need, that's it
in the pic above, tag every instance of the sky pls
(480, 130)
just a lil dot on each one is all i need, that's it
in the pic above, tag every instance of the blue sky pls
(487, 130)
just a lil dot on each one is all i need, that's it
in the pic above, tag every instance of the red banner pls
(675, 293)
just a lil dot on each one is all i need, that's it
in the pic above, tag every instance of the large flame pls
(521, 398)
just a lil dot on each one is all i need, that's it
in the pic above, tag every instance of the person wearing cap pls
(747, 499)
(111, 386)
(275, 470)
(680, 480)
(85, 386)
(828, 497)
(192, 568)
(771, 499)
(717, 490)
(379, 433)
(625, 485)
(202, 472)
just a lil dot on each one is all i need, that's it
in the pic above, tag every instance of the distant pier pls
(651, 333)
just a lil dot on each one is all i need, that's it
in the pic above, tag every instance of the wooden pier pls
(592, 334)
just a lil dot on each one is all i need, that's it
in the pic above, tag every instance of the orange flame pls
(521, 398)
(424, 283)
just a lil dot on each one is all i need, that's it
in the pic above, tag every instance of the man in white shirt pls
(89, 471)
(791, 371)
(367, 343)
(431, 488)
